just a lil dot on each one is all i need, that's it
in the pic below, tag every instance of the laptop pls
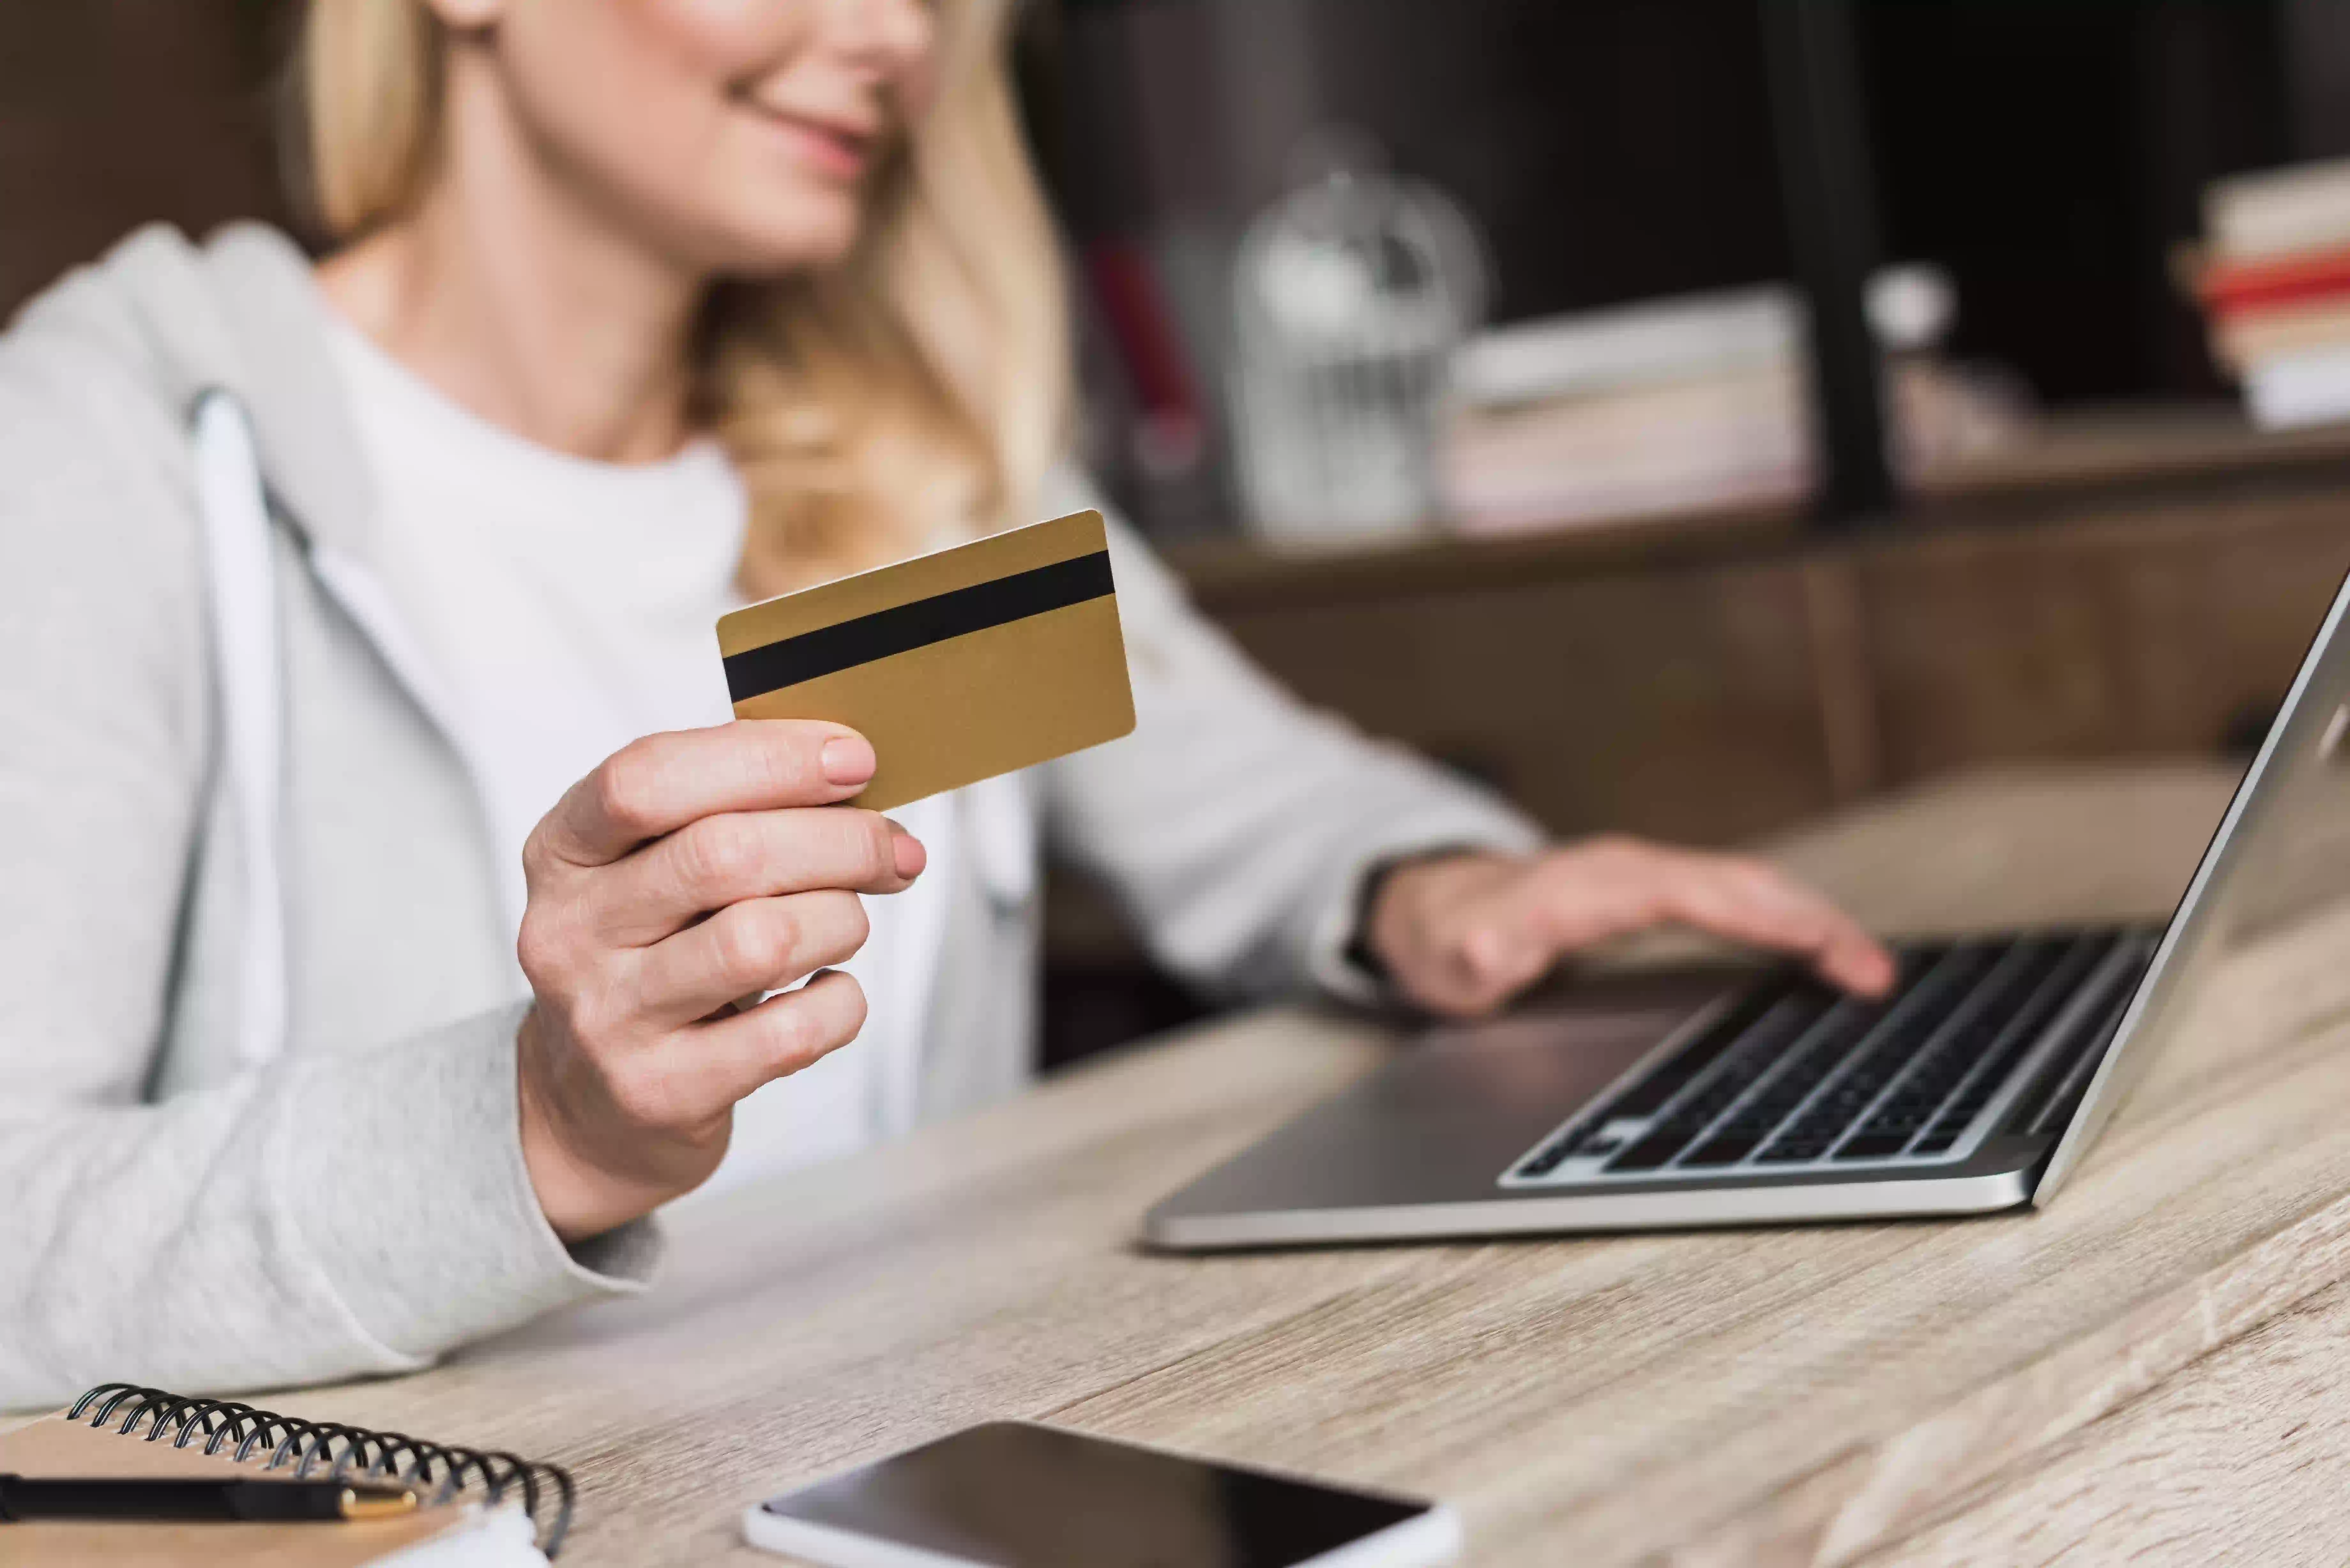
(1694, 1099)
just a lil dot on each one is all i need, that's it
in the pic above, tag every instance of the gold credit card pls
(958, 666)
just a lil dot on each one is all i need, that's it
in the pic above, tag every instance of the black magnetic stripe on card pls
(903, 628)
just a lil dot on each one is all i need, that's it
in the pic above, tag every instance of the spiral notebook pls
(483, 1509)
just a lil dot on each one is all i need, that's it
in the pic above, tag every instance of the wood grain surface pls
(2148, 1369)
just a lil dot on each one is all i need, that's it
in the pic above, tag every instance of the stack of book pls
(2275, 282)
(1694, 403)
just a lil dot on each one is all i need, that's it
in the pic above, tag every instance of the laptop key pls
(1723, 1148)
(1651, 1152)
(1873, 1146)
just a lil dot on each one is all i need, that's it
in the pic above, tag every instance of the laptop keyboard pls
(1791, 1075)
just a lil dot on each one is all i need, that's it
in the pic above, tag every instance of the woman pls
(321, 586)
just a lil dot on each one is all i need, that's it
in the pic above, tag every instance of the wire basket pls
(1350, 295)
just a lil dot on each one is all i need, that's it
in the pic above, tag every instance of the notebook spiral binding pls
(353, 1453)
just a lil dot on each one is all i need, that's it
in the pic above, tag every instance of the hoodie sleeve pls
(1235, 825)
(337, 1212)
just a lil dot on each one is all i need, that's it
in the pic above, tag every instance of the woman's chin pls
(806, 240)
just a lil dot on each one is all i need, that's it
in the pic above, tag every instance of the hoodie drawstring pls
(247, 669)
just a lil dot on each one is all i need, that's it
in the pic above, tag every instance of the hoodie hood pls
(240, 314)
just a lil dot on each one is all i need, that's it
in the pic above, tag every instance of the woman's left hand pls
(1464, 933)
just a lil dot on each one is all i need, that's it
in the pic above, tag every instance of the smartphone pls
(1011, 1494)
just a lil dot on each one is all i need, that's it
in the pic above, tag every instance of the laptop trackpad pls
(1447, 1117)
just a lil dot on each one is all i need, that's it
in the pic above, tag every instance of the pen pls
(272, 1500)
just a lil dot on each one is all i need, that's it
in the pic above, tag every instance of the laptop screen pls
(2282, 846)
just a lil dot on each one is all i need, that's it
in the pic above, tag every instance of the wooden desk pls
(2156, 1365)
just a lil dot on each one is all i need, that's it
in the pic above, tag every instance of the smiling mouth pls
(834, 148)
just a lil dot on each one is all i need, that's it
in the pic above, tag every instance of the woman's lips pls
(831, 148)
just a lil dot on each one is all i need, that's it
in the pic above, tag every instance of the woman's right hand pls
(690, 871)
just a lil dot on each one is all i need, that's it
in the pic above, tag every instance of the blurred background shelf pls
(2107, 454)
(2085, 460)
(2047, 159)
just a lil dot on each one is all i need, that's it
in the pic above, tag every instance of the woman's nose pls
(889, 35)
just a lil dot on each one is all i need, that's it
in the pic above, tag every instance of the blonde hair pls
(914, 393)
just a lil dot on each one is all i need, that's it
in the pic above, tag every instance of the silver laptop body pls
(1733, 1098)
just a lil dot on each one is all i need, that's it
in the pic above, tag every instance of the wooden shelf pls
(2101, 453)
(2095, 460)
(1237, 575)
